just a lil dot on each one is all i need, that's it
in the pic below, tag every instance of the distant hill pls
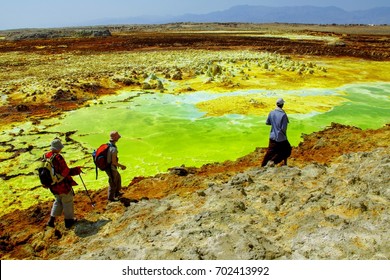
(263, 14)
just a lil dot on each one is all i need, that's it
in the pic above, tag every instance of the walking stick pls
(92, 203)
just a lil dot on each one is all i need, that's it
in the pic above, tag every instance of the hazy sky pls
(53, 13)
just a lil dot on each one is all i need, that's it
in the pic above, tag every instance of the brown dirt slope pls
(19, 230)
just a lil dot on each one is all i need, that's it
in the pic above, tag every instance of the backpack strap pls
(109, 166)
(96, 171)
(56, 173)
(96, 168)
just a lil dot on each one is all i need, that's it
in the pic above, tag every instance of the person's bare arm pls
(114, 161)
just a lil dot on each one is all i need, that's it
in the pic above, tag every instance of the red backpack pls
(100, 157)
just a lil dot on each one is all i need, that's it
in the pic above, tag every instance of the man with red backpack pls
(114, 178)
(62, 189)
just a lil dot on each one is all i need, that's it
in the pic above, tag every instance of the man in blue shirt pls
(279, 148)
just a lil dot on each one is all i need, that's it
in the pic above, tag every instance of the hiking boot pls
(119, 194)
(115, 199)
(50, 223)
(70, 223)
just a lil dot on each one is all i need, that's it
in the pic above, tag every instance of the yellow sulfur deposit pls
(260, 105)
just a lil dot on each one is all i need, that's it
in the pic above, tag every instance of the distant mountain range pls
(262, 14)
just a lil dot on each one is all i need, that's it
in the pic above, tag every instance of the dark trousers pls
(115, 182)
(277, 152)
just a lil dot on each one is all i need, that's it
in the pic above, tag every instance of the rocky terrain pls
(330, 202)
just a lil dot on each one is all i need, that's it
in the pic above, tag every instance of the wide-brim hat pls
(56, 145)
(114, 136)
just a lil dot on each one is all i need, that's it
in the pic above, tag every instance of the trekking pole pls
(92, 203)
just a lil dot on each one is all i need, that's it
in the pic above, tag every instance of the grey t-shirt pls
(112, 152)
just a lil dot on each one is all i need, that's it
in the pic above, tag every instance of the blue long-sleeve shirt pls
(278, 120)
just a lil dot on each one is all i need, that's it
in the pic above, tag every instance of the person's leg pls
(57, 208)
(283, 152)
(270, 152)
(111, 184)
(278, 156)
(56, 211)
(117, 182)
(67, 202)
(51, 221)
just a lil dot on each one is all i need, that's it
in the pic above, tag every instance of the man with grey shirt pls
(114, 178)
(279, 149)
